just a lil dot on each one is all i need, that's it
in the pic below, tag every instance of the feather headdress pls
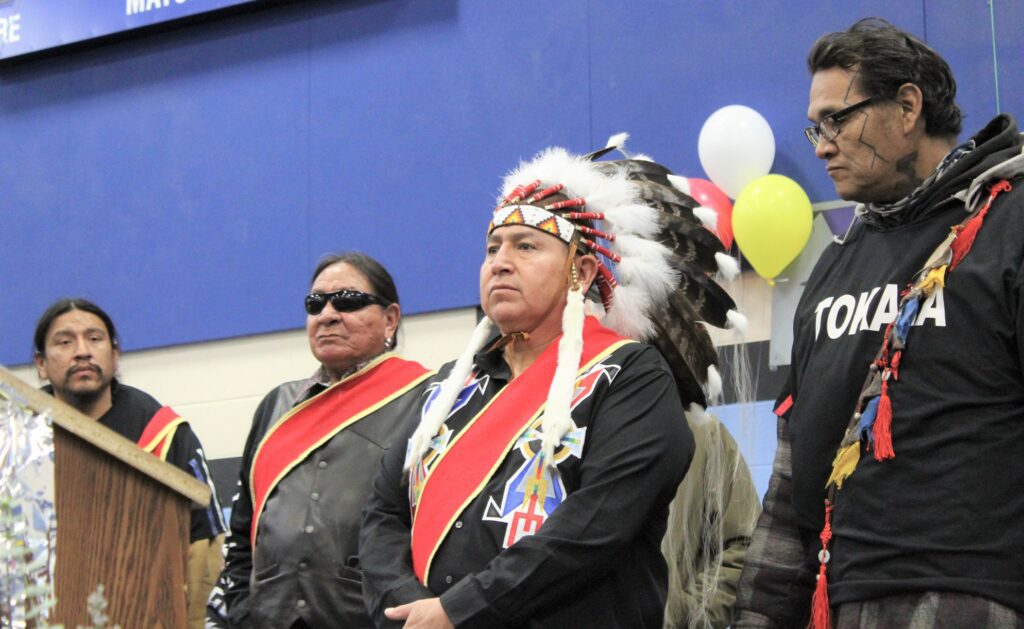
(656, 262)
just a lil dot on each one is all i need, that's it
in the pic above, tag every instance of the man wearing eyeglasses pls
(895, 498)
(292, 558)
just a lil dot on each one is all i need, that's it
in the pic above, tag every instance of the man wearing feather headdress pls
(895, 497)
(534, 490)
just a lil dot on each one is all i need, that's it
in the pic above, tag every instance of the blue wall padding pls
(189, 180)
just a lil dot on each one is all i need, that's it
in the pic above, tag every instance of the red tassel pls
(967, 232)
(882, 430)
(894, 364)
(821, 615)
(965, 236)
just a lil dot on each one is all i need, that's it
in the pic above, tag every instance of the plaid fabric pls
(775, 589)
(929, 610)
(775, 585)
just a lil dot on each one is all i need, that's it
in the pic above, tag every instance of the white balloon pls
(736, 146)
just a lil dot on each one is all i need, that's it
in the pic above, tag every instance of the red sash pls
(159, 432)
(467, 465)
(312, 423)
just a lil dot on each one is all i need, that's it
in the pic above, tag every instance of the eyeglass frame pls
(815, 133)
(357, 297)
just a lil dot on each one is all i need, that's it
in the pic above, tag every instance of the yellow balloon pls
(771, 222)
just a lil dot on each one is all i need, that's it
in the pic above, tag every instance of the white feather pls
(617, 140)
(697, 415)
(681, 184)
(714, 383)
(727, 265)
(594, 309)
(608, 192)
(707, 217)
(634, 218)
(627, 316)
(556, 165)
(737, 321)
(642, 157)
(450, 388)
(645, 265)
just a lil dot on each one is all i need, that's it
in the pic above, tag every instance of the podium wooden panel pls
(122, 520)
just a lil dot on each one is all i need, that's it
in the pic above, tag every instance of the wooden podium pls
(122, 520)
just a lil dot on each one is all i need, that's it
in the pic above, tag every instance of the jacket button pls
(300, 603)
(303, 565)
(322, 464)
(458, 524)
(314, 496)
(309, 528)
(449, 579)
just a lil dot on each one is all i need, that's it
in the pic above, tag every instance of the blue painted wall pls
(188, 181)
(753, 426)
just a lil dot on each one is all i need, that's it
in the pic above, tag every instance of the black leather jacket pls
(306, 564)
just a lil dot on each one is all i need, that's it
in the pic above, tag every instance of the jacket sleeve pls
(206, 530)
(775, 588)
(385, 539)
(638, 450)
(186, 452)
(709, 527)
(724, 600)
(742, 508)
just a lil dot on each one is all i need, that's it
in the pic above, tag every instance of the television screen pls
(32, 26)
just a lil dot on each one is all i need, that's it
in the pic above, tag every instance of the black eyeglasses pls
(829, 127)
(342, 301)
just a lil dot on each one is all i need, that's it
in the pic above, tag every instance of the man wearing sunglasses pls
(895, 497)
(292, 558)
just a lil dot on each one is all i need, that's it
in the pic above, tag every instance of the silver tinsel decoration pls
(28, 521)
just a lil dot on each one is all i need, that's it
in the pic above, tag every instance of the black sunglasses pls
(342, 301)
(829, 127)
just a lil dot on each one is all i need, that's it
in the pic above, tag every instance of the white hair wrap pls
(450, 388)
(557, 414)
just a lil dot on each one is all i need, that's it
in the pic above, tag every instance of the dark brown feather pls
(696, 246)
(711, 303)
(684, 343)
(633, 168)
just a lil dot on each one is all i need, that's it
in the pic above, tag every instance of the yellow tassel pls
(846, 461)
(935, 277)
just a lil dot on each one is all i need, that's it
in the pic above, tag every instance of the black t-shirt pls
(130, 414)
(945, 514)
